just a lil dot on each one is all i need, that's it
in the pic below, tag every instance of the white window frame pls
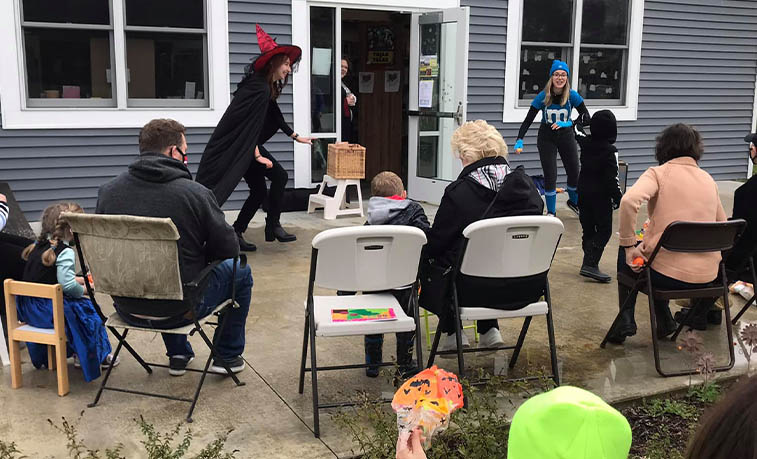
(513, 112)
(301, 79)
(17, 115)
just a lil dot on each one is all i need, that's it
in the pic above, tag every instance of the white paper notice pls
(365, 82)
(392, 81)
(322, 61)
(189, 89)
(425, 93)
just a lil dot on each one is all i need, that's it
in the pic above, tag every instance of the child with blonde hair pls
(51, 260)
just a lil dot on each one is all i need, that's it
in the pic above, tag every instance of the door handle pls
(459, 114)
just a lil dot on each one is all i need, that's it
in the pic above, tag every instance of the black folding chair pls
(685, 237)
(105, 244)
(754, 286)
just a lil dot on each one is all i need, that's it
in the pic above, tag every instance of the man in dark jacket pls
(158, 184)
(744, 207)
(599, 189)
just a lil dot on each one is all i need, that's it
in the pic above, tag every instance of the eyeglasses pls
(560, 75)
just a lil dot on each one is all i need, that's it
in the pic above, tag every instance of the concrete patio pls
(268, 416)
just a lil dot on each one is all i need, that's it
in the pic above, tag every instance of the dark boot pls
(627, 325)
(373, 354)
(407, 367)
(665, 322)
(707, 314)
(275, 231)
(590, 266)
(245, 246)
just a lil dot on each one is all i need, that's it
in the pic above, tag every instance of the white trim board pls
(301, 79)
(513, 113)
(750, 165)
(16, 115)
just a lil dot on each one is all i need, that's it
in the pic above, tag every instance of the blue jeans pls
(230, 343)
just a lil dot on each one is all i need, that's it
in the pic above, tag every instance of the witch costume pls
(251, 119)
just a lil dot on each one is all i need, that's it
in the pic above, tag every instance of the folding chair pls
(54, 338)
(361, 259)
(137, 258)
(685, 237)
(754, 286)
(502, 249)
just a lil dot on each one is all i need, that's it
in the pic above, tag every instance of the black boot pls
(590, 266)
(627, 325)
(407, 368)
(245, 246)
(275, 231)
(698, 322)
(665, 322)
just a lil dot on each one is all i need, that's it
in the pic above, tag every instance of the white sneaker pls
(449, 343)
(492, 338)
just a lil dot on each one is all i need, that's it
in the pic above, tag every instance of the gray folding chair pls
(137, 258)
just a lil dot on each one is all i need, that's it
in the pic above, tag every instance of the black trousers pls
(658, 280)
(550, 142)
(596, 220)
(255, 179)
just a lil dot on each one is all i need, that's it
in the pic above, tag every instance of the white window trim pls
(16, 115)
(750, 165)
(628, 112)
(301, 79)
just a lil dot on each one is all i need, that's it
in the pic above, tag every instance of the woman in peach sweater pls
(676, 190)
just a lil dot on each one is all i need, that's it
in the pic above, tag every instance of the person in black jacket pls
(235, 148)
(599, 189)
(483, 153)
(158, 184)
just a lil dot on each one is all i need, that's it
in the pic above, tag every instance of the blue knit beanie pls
(559, 65)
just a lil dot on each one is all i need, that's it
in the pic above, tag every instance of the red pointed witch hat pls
(269, 48)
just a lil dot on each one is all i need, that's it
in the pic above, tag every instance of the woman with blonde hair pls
(486, 188)
(556, 102)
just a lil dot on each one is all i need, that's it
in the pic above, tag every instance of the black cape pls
(229, 151)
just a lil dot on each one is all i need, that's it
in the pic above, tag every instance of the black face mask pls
(185, 158)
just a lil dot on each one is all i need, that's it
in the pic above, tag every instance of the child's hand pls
(409, 446)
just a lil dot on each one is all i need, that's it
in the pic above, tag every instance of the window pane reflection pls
(600, 73)
(67, 11)
(534, 68)
(605, 22)
(72, 64)
(318, 155)
(322, 80)
(165, 65)
(547, 21)
(165, 13)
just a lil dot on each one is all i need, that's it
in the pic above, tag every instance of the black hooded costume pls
(598, 183)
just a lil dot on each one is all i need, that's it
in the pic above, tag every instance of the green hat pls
(568, 423)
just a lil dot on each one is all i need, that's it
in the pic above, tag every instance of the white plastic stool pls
(333, 207)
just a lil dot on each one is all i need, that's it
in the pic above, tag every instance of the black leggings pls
(255, 178)
(596, 220)
(549, 142)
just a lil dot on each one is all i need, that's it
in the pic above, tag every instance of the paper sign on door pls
(425, 93)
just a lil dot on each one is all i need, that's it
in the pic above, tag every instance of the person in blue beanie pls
(556, 102)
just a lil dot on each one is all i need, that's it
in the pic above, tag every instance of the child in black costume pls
(599, 189)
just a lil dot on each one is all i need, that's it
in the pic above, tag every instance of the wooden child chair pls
(55, 338)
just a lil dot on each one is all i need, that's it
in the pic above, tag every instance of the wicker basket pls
(346, 161)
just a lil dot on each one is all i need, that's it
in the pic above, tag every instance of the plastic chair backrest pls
(696, 237)
(368, 258)
(128, 256)
(508, 247)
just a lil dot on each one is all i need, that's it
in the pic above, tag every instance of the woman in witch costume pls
(235, 149)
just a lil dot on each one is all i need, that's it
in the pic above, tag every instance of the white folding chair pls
(505, 249)
(360, 259)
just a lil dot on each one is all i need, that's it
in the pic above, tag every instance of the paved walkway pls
(270, 419)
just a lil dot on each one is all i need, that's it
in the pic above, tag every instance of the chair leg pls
(214, 351)
(727, 307)
(551, 336)
(301, 387)
(131, 350)
(434, 346)
(416, 313)
(50, 357)
(199, 387)
(62, 371)
(314, 380)
(121, 341)
(743, 310)
(459, 339)
(519, 344)
(428, 329)
(15, 358)
(653, 322)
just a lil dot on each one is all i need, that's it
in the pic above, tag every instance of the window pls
(113, 63)
(599, 39)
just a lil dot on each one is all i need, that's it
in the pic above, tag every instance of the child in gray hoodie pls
(389, 206)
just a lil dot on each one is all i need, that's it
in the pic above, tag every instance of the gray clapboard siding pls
(44, 166)
(698, 66)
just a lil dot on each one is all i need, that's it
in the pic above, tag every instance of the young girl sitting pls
(51, 260)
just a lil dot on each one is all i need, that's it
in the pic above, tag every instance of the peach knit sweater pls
(675, 191)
